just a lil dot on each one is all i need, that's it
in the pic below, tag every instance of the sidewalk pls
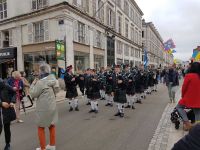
(166, 135)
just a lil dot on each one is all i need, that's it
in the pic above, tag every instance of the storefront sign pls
(8, 53)
(60, 50)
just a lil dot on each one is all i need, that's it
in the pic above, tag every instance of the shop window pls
(3, 9)
(81, 61)
(98, 61)
(38, 4)
(33, 60)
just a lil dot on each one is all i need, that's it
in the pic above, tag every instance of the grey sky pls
(176, 19)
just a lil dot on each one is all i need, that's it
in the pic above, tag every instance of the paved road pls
(84, 131)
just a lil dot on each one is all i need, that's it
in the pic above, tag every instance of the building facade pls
(97, 32)
(153, 43)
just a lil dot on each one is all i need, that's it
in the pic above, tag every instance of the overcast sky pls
(176, 19)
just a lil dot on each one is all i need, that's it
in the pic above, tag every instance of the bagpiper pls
(109, 88)
(71, 90)
(130, 90)
(102, 79)
(94, 91)
(87, 78)
(119, 91)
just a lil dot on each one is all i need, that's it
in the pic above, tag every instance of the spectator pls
(16, 82)
(7, 112)
(26, 85)
(44, 89)
(190, 141)
(172, 81)
(190, 95)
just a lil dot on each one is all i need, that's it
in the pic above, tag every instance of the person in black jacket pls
(130, 91)
(81, 82)
(7, 112)
(191, 141)
(94, 91)
(119, 91)
(71, 90)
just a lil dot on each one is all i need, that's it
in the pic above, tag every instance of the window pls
(39, 31)
(142, 34)
(3, 9)
(126, 50)
(119, 24)
(132, 14)
(132, 33)
(126, 29)
(110, 17)
(81, 32)
(100, 10)
(82, 4)
(132, 51)
(126, 8)
(119, 47)
(98, 39)
(38, 4)
(118, 2)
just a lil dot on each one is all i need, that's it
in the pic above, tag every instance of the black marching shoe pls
(7, 147)
(91, 111)
(88, 103)
(108, 104)
(128, 106)
(76, 109)
(117, 114)
(121, 115)
(133, 107)
(71, 109)
(139, 102)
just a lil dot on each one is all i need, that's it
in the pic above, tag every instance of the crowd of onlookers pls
(43, 86)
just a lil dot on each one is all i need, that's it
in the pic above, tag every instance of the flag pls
(197, 58)
(173, 51)
(169, 44)
(145, 58)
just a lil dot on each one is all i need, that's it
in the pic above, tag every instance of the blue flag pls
(145, 58)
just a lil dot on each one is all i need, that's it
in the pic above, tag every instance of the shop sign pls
(8, 53)
(60, 49)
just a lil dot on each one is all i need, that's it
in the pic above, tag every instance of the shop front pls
(8, 61)
(35, 55)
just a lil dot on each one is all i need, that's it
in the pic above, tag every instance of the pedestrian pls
(94, 91)
(71, 82)
(81, 82)
(119, 91)
(44, 90)
(190, 95)
(16, 82)
(172, 81)
(189, 141)
(7, 111)
(26, 85)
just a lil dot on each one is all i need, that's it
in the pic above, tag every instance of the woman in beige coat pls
(44, 90)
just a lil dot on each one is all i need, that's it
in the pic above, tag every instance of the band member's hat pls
(69, 67)
(117, 66)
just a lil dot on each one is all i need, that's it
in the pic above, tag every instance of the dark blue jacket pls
(191, 141)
